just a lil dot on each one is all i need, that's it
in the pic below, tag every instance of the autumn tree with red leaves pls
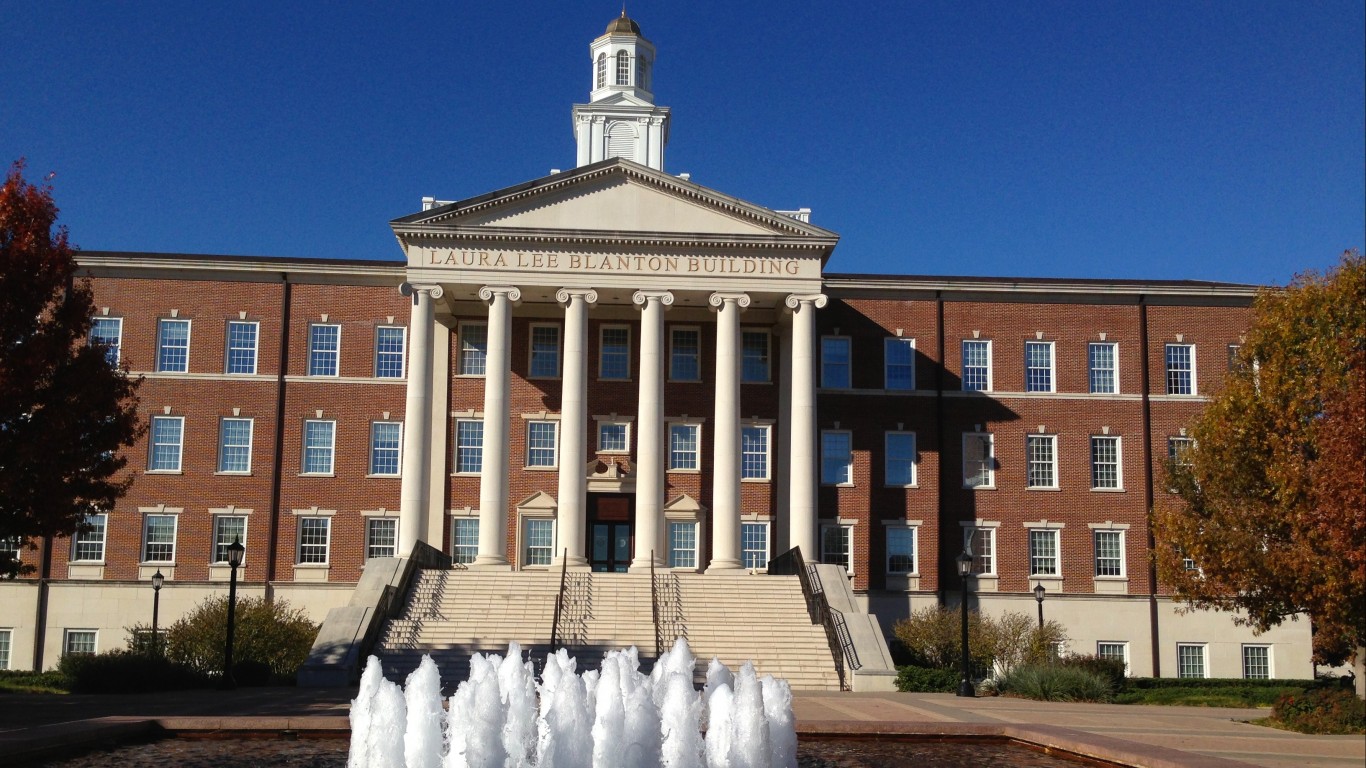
(1270, 500)
(65, 410)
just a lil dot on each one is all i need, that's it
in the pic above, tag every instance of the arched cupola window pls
(642, 73)
(602, 70)
(623, 68)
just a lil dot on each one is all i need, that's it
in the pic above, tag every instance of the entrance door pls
(609, 533)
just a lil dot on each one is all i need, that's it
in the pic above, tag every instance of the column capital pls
(488, 292)
(720, 298)
(565, 295)
(413, 289)
(641, 298)
(795, 300)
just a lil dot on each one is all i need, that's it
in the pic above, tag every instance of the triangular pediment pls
(538, 500)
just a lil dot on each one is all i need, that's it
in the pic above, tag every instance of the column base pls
(574, 562)
(490, 563)
(642, 565)
(726, 565)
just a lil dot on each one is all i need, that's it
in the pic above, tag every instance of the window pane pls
(835, 362)
(683, 446)
(545, 351)
(754, 365)
(469, 446)
(540, 542)
(318, 447)
(384, 447)
(540, 443)
(90, 543)
(389, 353)
(1043, 553)
(464, 539)
(1190, 661)
(1180, 369)
(226, 530)
(106, 332)
(754, 453)
(1256, 662)
(158, 539)
(900, 464)
(1102, 363)
(474, 346)
(682, 545)
(1038, 366)
(982, 543)
(4, 648)
(835, 541)
(80, 641)
(684, 350)
(381, 537)
(1109, 553)
(173, 346)
(313, 534)
(324, 343)
(234, 445)
(836, 458)
(754, 544)
(612, 437)
(615, 356)
(1104, 462)
(978, 463)
(167, 432)
(899, 363)
(976, 366)
(242, 347)
(900, 550)
(1040, 456)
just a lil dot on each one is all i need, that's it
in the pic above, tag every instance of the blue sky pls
(1183, 140)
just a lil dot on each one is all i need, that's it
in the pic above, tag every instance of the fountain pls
(613, 717)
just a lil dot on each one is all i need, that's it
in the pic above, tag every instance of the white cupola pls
(621, 119)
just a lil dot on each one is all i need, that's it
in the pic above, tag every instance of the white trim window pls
(158, 538)
(754, 446)
(682, 544)
(1192, 660)
(979, 460)
(835, 362)
(837, 545)
(623, 68)
(901, 549)
(319, 441)
(1109, 553)
(1043, 552)
(234, 445)
(390, 343)
(542, 439)
(1106, 472)
(538, 540)
(167, 437)
(1041, 461)
(469, 446)
(1257, 662)
(11, 553)
(381, 537)
(88, 544)
(1039, 366)
(1103, 365)
(80, 642)
(474, 348)
(614, 437)
(981, 544)
(5, 644)
(386, 440)
(226, 530)
(754, 545)
(837, 457)
(899, 459)
(173, 346)
(685, 354)
(976, 365)
(685, 441)
(242, 345)
(602, 69)
(755, 356)
(1180, 359)
(545, 351)
(614, 352)
(898, 364)
(1117, 650)
(464, 539)
(107, 332)
(324, 349)
(315, 538)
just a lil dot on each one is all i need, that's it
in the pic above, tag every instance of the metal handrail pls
(836, 630)
(559, 603)
(654, 606)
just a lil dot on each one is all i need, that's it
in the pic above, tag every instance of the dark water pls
(331, 753)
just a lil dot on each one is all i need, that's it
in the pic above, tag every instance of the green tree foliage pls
(65, 411)
(1270, 502)
(271, 633)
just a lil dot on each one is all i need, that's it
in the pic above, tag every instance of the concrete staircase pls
(451, 614)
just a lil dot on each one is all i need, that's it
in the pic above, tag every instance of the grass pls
(17, 681)
(1232, 695)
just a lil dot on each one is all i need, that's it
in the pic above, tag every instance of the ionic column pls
(725, 500)
(493, 479)
(650, 428)
(570, 517)
(802, 425)
(417, 418)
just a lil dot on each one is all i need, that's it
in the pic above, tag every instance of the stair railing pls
(836, 630)
(559, 602)
(654, 605)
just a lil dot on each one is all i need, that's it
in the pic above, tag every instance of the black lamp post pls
(235, 553)
(157, 581)
(965, 687)
(1038, 595)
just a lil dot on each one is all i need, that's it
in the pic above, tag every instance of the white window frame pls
(6, 646)
(162, 325)
(222, 538)
(538, 450)
(837, 374)
(383, 356)
(828, 459)
(896, 343)
(1035, 467)
(469, 550)
(746, 358)
(100, 534)
(674, 374)
(526, 545)
(1092, 369)
(1042, 536)
(1172, 371)
(1122, 645)
(1203, 648)
(914, 532)
(1096, 536)
(847, 536)
(223, 445)
(532, 355)
(983, 564)
(147, 543)
(987, 462)
(474, 451)
(683, 558)
(1096, 463)
(754, 558)
(229, 347)
(112, 351)
(68, 635)
(301, 547)
(1270, 665)
(963, 361)
(696, 452)
(375, 449)
(374, 550)
(893, 458)
(331, 449)
(626, 436)
(154, 442)
(317, 357)
(474, 353)
(765, 456)
(1050, 371)
(602, 357)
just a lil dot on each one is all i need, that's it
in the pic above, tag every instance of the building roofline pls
(858, 283)
(244, 268)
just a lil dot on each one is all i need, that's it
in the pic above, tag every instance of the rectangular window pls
(389, 344)
(242, 347)
(234, 445)
(385, 439)
(469, 446)
(754, 356)
(837, 542)
(1233, 351)
(900, 550)
(1256, 662)
(754, 545)
(89, 543)
(79, 642)
(173, 346)
(545, 351)
(324, 349)
(1041, 455)
(158, 538)
(464, 539)
(976, 366)
(1038, 366)
(381, 537)
(682, 545)
(1117, 651)
(226, 530)
(982, 547)
(474, 348)
(683, 446)
(979, 463)
(898, 364)
(684, 354)
(1178, 450)
(314, 536)
(11, 552)
(835, 372)
(1043, 552)
(754, 453)
(4, 648)
(1180, 369)
(1105, 462)
(107, 332)
(167, 435)
(1190, 660)
(318, 443)
(540, 541)
(1109, 553)
(614, 437)
(541, 440)
(837, 458)
(614, 352)
(900, 458)
(1103, 361)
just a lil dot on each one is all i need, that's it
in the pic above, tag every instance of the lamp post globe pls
(157, 581)
(235, 554)
(1038, 595)
(965, 686)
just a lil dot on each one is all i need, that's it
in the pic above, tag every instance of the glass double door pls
(610, 532)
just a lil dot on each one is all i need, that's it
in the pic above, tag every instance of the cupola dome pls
(623, 26)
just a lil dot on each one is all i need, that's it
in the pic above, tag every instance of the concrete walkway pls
(1138, 735)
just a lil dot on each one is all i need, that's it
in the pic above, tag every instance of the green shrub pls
(126, 672)
(1054, 682)
(269, 633)
(911, 679)
(1110, 669)
(932, 637)
(23, 681)
(1321, 710)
